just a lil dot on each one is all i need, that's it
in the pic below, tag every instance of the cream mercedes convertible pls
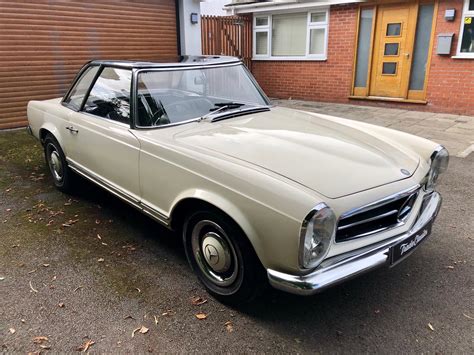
(260, 194)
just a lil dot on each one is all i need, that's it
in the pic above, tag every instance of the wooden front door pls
(392, 52)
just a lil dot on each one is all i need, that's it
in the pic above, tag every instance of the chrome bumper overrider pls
(343, 267)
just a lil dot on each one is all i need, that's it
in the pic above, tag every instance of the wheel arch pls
(52, 130)
(200, 199)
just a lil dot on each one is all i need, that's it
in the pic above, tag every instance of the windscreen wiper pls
(229, 104)
(221, 108)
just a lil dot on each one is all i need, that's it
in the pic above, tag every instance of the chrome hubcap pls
(55, 164)
(214, 253)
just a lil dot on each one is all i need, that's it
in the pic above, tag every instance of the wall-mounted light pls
(450, 14)
(194, 18)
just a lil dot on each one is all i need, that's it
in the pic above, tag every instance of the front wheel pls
(222, 257)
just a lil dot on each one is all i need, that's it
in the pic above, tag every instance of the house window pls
(466, 44)
(291, 36)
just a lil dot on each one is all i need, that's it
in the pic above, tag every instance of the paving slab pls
(455, 132)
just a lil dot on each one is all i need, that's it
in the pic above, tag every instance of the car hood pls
(323, 154)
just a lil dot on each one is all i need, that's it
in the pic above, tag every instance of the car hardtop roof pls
(176, 62)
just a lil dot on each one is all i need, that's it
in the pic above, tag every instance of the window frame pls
(94, 80)
(309, 26)
(131, 102)
(465, 13)
(75, 82)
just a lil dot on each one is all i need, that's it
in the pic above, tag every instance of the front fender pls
(228, 208)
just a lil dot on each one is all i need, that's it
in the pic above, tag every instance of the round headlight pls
(439, 164)
(317, 232)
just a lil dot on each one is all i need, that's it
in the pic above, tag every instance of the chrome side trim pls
(132, 201)
(343, 267)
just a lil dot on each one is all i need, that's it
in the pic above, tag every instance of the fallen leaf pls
(40, 340)
(201, 316)
(430, 326)
(61, 305)
(33, 289)
(46, 265)
(139, 291)
(169, 312)
(127, 317)
(156, 319)
(2, 278)
(142, 330)
(104, 243)
(450, 267)
(377, 311)
(78, 288)
(197, 301)
(45, 347)
(22, 320)
(32, 271)
(86, 346)
(229, 327)
(12, 330)
(99, 237)
(100, 260)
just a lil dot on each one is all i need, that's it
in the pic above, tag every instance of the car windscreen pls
(174, 96)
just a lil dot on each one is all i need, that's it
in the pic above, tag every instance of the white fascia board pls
(282, 6)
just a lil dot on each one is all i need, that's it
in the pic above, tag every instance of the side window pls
(110, 95)
(74, 100)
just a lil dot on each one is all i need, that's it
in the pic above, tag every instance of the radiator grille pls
(376, 219)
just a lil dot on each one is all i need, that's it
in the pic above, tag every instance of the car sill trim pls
(132, 201)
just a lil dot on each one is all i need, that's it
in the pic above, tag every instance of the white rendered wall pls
(190, 34)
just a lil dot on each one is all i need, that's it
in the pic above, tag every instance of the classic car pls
(259, 194)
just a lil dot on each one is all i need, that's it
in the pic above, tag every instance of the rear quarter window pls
(76, 96)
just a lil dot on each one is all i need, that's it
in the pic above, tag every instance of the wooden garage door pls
(43, 44)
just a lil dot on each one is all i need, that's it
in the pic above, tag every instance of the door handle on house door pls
(407, 55)
(72, 129)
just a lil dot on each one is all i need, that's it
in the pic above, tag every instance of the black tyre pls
(56, 161)
(222, 257)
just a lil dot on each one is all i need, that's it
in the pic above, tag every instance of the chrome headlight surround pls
(316, 234)
(438, 164)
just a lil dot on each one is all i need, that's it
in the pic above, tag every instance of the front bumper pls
(346, 266)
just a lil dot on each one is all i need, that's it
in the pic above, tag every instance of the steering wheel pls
(160, 117)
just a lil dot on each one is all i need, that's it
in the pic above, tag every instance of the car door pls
(101, 146)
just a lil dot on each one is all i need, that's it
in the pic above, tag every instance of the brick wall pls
(450, 82)
(329, 80)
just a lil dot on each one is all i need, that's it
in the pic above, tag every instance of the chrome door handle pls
(72, 129)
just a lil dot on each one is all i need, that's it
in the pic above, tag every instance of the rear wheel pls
(56, 161)
(222, 257)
